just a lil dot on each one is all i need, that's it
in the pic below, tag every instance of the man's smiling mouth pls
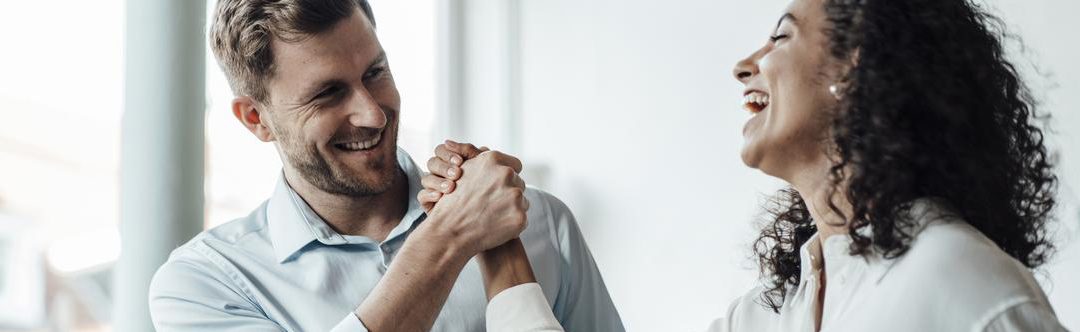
(360, 145)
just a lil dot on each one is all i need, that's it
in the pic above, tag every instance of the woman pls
(920, 187)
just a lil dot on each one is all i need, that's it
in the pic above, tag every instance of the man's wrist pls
(446, 243)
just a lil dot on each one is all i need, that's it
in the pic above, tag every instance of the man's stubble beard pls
(317, 170)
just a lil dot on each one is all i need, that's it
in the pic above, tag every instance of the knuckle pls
(516, 194)
(520, 220)
(433, 163)
(506, 172)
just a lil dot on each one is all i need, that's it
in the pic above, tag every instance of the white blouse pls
(953, 278)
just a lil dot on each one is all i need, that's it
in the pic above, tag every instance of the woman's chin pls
(751, 157)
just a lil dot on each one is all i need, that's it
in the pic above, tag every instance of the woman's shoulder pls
(745, 313)
(957, 249)
(951, 262)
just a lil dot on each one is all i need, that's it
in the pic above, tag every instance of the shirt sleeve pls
(521, 308)
(186, 295)
(1026, 316)
(351, 323)
(583, 302)
(744, 314)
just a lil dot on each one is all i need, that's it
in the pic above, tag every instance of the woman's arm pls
(505, 266)
(516, 303)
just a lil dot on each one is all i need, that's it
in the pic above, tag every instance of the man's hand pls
(487, 205)
(504, 266)
(486, 210)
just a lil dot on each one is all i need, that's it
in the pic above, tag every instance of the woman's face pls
(787, 93)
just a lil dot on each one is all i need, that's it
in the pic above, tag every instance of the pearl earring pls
(834, 91)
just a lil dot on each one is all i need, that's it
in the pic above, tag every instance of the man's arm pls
(417, 283)
(515, 300)
(487, 209)
(502, 267)
(583, 302)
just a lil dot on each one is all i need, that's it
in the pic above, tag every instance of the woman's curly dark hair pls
(931, 108)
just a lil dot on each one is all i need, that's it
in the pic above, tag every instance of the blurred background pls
(625, 109)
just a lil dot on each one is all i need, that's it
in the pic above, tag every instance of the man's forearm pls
(505, 266)
(415, 287)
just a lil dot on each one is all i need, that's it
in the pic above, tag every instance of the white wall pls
(631, 108)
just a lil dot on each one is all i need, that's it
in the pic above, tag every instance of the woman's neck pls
(814, 185)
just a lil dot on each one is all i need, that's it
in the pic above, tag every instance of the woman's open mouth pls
(755, 101)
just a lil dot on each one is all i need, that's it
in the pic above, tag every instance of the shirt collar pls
(834, 252)
(293, 224)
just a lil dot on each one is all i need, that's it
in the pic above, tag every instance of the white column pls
(161, 181)
(480, 67)
(449, 67)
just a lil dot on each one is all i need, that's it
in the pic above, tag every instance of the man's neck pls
(371, 216)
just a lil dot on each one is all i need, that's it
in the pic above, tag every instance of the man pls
(343, 244)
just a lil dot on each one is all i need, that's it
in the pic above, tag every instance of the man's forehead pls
(347, 47)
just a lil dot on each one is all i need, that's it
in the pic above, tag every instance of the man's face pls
(333, 109)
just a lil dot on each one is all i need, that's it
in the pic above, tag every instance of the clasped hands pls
(477, 194)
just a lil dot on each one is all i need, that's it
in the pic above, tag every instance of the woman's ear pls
(250, 114)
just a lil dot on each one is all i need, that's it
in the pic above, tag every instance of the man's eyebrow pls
(787, 16)
(378, 59)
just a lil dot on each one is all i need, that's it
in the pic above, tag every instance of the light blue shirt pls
(283, 268)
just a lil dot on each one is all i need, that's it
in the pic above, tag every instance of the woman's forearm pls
(505, 266)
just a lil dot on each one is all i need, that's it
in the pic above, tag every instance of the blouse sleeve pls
(1026, 316)
(521, 308)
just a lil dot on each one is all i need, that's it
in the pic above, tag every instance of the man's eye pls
(327, 93)
(374, 72)
(778, 37)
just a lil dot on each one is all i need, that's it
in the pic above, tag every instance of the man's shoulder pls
(204, 259)
(236, 230)
(549, 218)
(237, 234)
(545, 202)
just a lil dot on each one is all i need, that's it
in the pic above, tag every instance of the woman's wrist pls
(505, 266)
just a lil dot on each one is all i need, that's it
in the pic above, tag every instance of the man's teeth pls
(364, 145)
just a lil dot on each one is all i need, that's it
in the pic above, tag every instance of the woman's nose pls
(746, 69)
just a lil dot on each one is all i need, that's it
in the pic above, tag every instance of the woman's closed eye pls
(777, 37)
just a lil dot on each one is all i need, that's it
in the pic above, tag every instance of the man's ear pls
(250, 114)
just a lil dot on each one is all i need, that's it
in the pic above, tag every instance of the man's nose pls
(364, 111)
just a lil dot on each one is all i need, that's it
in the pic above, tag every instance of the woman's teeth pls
(756, 101)
(363, 145)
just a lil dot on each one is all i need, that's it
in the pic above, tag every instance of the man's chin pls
(368, 179)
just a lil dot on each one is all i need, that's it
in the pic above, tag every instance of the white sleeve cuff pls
(521, 308)
(351, 323)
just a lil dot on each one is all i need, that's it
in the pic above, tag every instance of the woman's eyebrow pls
(787, 16)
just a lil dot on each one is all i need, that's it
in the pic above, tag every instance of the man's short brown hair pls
(243, 30)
